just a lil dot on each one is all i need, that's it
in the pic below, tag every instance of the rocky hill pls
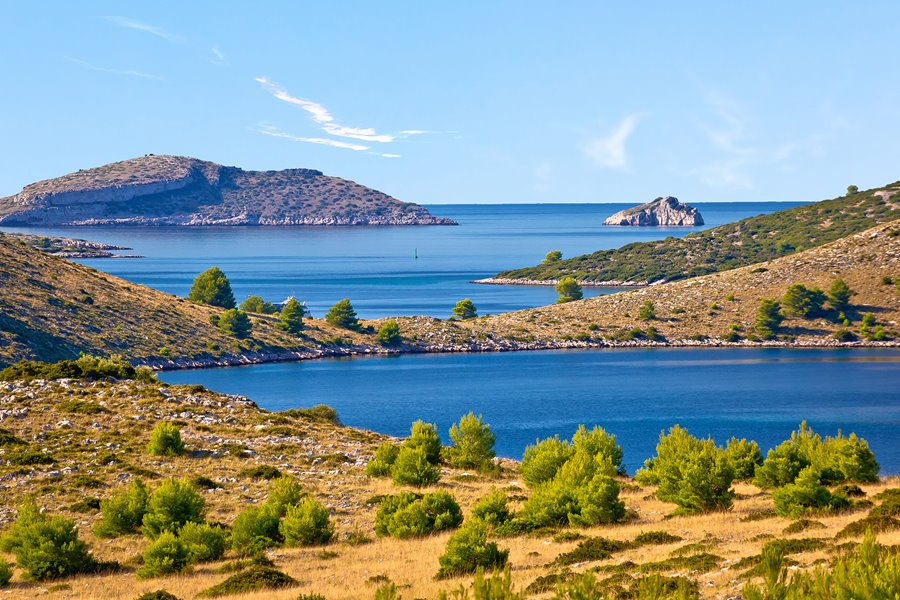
(662, 212)
(737, 244)
(176, 190)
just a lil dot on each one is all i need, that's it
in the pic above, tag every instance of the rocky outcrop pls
(663, 212)
(176, 190)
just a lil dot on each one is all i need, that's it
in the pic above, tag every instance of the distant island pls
(178, 190)
(665, 211)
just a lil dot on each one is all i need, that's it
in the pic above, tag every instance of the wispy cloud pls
(125, 72)
(218, 57)
(275, 132)
(129, 23)
(388, 155)
(609, 151)
(730, 137)
(324, 119)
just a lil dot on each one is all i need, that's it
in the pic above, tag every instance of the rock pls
(663, 212)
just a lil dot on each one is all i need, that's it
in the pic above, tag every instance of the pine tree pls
(212, 287)
(291, 319)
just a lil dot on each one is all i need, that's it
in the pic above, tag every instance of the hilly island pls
(177, 190)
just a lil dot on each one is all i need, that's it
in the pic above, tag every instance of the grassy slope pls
(685, 308)
(43, 315)
(728, 246)
(96, 454)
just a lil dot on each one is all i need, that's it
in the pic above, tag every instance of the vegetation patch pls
(253, 579)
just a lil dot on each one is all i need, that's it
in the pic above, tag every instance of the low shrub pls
(412, 467)
(260, 472)
(6, 573)
(307, 524)
(319, 412)
(647, 538)
(801, 525)
(806, 495)
(165, 440)
(158, 595)
(389, 333)
(166, 555)
(468, 549)
(744, 456)
(123, 513)
(493, 509)
(424, 436)
(255, 529)
(385, 457)
(253, 579)
(410, 515)
(84, 367)
(473, 444)
(890, 504)
(284, 492)
(174, 503)
(203, 542)
(873, 523)
(542, 460)
(592, 549)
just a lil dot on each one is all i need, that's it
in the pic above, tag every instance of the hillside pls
(737, 244)
(176, 190)
(67, 247)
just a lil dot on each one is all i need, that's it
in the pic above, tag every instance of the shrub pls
(468, 549)
(291, 317)
(85, 367)
(744, 456)
(166, 555)
(123, 513)
(389, 333)
(493, 509)
(552, 256)
(203, 542)
(252, 580)
(256, 304)
(260, 472)
(385, 457)
(647, 311)
(174, 503)
(6, 573)
(768, 319)
(542, 460)
(424, 436)
(465, 309)
(235, 322)
(306, 525)
(319, 412)
(473, 443)
(801, 301)
(568, 290)
(806, 495)
(839, 295)
(598, 442)
(410, 515)
(46, 547)
(212, 287)
(255, 529)
(692, 473)
(157, 595)
(284, 492)
(413, 468)
(342, 315)
(165, 440)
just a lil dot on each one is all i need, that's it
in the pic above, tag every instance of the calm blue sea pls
(762, 394)
(376, 266)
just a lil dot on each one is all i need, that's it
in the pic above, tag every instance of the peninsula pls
(178, 190)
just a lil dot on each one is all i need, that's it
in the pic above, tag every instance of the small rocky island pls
(665, 211)
(178, 190)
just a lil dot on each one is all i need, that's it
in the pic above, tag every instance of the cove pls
(760, 394)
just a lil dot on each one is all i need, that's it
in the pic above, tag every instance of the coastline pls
(508, 281)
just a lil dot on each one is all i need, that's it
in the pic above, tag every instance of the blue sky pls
(490, 101)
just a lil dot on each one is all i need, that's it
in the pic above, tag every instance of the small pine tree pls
(235, 322)
(768, 319)
(342, 315)
(801, 301)
(306, 525)
(212, 287)
(568, 290)
(425, 436)
(291, 319)
(165, 440)
(552, 257)
(852, 189)
(174, 503)
(389, 333)
(256, 304)
(465, 309)
(839, 295)
(647, 311)
(473, 443)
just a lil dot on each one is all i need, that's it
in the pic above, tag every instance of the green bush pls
(203, 542)
(806, 495)
(235, 322)
(256, 304)
(542, 460)
(409, 515)
(468, 549)
(252, 580)
(801, 301)
(306, 525)
(465, 309)
(647, 311)
(768, 319)
(174, 503)
(412, 467)
(493, 509)
(568, 290)
(158, 595)
(165, 440)
(255, 529)
(212, 287)
(164, 556)
(342, 315)
(123, 513)
(744, 457)
(473, 443)
(385, 457)
(839, 295)
(284, 492)
(85, 367)
(597, 442)
(424, 436)
(6, 573)
(46, 547)
(291, 317)
(692, 473)
(260, 472)
(389, 333)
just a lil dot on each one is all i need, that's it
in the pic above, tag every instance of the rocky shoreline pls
(510, 281)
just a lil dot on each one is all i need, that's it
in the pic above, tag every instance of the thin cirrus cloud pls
(129, 23)
(275, 132)
(125, 72)
(609, 151)
(218, 57)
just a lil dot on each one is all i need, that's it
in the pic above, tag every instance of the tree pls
(768, 319)
(342, 315)
(801, 301)
(389, 333)
(291, 319)
(839, 295)
(235, 322)
(647, 311)
(552, 256)
(473, 443)
(256, 304)
(568, 290)
(465, 309)
(212, 287)
(852, 189)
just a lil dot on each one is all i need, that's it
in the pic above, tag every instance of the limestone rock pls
(663, 212)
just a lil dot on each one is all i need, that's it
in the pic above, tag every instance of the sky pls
(468, 101)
